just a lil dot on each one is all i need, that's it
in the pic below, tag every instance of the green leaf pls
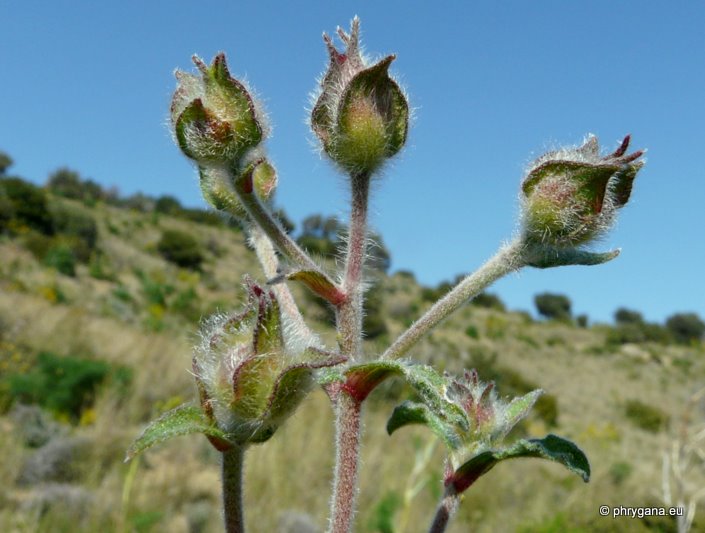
(426, 382)
(540, 256)
(418, 413)
(183, 420)
(551, 447)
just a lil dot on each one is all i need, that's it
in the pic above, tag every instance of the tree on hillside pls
(685, 327)
(554, 306)
(69, 184)
(5, 162)
(628, 316)
(180, 248)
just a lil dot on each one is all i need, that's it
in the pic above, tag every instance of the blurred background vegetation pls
(100, 299)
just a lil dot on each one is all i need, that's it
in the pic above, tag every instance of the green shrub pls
(5, 162)
(68, 183)
(99, 267)
(553, 306)
(167, 205)
(495, 327)
(37, 244)
(61, 257)
(185, 303)
(472, 332)
(546, 408)
(64, 385)
(382, 519)
(628, 316)
(181, 249)
(620, 471)
(686, 327)
(318, 245)
(488, 301)
(373, 322)
(6, 211)
(155, 291)
(637, 332)
(645, 416)
(28, 203)
(79, 229)
(582, 321)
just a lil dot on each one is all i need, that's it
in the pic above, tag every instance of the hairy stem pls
(349, 312)
(270, 265)
(507, 259)
(233, 460)
(348, 431)
(263, 218)
(446, 510)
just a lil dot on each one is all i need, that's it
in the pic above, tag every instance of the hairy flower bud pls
(361, 115)
(217, 188)
(571, 196)
(215, 119)
(248, 380)
(489, 418)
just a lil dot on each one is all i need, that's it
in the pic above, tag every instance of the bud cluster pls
(249, 382)
(489, 419)
(220, 125)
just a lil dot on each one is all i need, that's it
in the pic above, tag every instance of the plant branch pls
(349, 312)
(349, 326)
(507, 259)
(233, 460)
(446, 510)
(261, 216)
(348, 432)
(270, 265)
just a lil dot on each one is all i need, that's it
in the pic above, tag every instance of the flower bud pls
(215, 119)
(248, 380)
(489, 418)
(571, 196)
(361, 115)
(217, 188)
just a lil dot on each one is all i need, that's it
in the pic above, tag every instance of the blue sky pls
(493, 84)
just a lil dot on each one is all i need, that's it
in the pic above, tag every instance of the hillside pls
(96, 323)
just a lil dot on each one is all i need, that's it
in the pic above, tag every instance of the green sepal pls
(268, 336)
(236, 102)
(388, 99)
(371, 121)
(252, 382)
(194, 114)
(543, 256)
(622, 182)
(517, 409)
(551, 447)
(417, 413)
(320, 284)
(183, 420)
(591, 178)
